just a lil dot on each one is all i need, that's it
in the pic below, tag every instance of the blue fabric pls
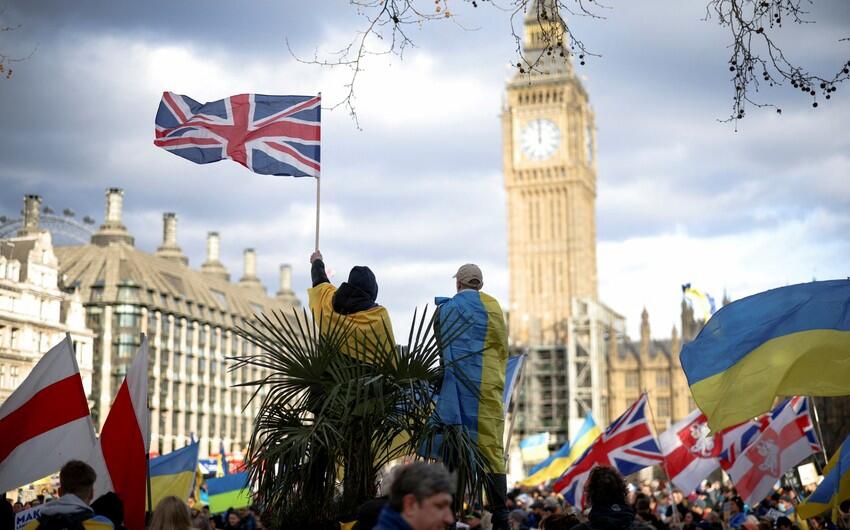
(232, 482)
(744, 325)
(181, 460)
(458, 403)
(391, 520)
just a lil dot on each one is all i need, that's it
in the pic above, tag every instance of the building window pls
(662, 379)
(663, 406)
(631, 379)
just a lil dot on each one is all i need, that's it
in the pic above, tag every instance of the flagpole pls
(817, 425)
(150, 493)
(318, 179)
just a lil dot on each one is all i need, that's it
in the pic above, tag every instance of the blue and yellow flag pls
(554, 466)
(228, 492)
(173, 474)
(474, 378)
(835, 487)
(789, 341)
(534, 448)
(700, 301)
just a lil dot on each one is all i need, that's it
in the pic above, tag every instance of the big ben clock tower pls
(550, 180)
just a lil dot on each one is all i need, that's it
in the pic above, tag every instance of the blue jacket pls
(391, 520)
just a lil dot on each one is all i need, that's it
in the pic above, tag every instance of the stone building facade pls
(190, 317)
(35, 312)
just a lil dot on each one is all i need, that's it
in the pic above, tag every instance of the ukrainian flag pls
(173, 474)
(554, 466)
(228, 492)
(474, 378)
(789, 341)
(835, 487)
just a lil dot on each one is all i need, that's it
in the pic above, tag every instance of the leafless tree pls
(756, 56)
(7, 60)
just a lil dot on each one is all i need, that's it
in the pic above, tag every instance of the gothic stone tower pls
(550, 179)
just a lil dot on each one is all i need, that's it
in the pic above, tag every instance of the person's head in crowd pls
(843, 515)
(77, 478)
(750, 523)
(551, 506)
(713, 518)
(233, 519)
(605, 487)
(785, 504)
(110, 506)
(736, 505)
(367, 514)
(7, 514)
(559, 521)
(516, 519)
(817, 523)
(421, 493)
(171, 514)
(783, 523)
(688, 518)
(678, 497)
(537, 508)
(765, 525)
(17, 507)
(642, 505)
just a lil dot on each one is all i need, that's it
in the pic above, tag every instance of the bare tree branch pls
(5, 59)
(756, 57)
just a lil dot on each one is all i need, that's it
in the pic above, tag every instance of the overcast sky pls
(418, 191)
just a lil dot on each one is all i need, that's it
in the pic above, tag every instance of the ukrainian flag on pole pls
(835, 487)
(554, 466)
(173, 474)
(228, 492)
(789, 341)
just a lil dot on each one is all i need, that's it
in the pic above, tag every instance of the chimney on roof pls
(169, 248)
(250, 279)
(285, 294)
(112, 230)
(31, 213)
(213, 265)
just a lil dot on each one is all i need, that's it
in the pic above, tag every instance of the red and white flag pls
(690, 451)
(782, 445)
(45, 422)
(120, 457)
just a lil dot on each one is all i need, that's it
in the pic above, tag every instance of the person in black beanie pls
(605, 492)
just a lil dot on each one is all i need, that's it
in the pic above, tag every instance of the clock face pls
(540, 139)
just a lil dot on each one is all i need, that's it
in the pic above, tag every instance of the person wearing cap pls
(354, 304)
(472, 335)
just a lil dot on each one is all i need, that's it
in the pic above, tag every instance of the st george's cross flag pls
(271, 135)
(788, 439)
(45, 422)
(628, 445)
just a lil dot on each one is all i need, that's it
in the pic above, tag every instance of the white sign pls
(808, 474)
(24, 517)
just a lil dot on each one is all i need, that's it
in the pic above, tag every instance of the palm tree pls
(329, 424)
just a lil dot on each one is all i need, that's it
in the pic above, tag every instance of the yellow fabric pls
(784, 366)
(178, 484)
(347, 526)
(366, 326)
(809, 508)
(559, 465)
(491, 416)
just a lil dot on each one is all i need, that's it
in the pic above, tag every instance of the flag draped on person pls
(833, 489)
(554, 466)
(45, 422)
(627, 445)
(120, 455)
(174, 473)
(787, 439)
(793, 340)
(271, 135)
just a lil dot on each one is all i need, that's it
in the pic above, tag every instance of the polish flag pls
(45, 422)
(120, 457)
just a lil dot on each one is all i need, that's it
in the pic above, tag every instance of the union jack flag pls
(272, 135)
(628, 445)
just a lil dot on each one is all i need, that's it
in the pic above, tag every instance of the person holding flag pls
(354, 303)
